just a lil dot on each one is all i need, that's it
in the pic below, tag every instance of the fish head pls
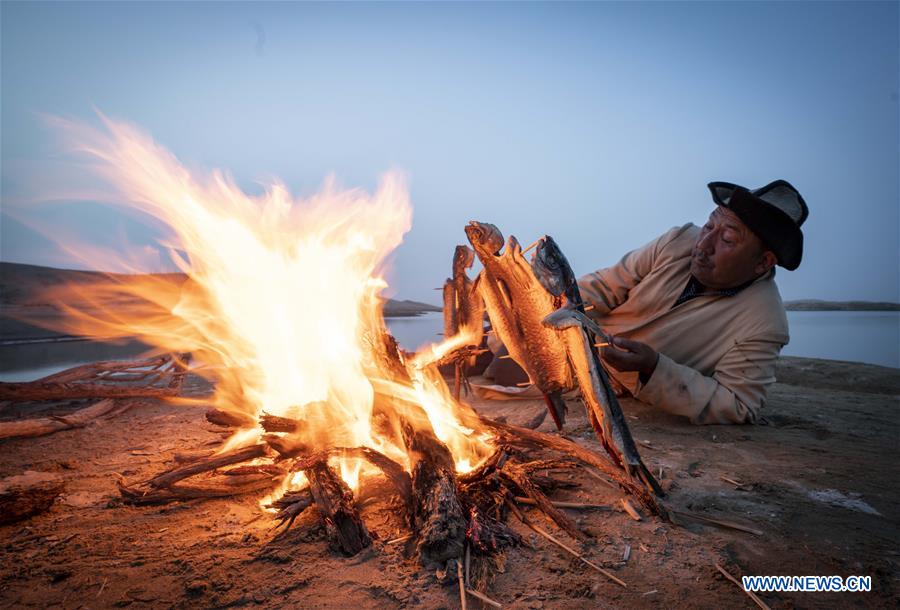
(463, 257)
(551, 267)
(485, 238)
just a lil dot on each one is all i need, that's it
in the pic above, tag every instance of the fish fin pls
(556, 406)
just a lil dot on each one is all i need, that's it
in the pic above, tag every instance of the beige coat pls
(716, 353)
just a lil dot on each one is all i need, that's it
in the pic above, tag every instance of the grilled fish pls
(579, 335)
(517, 305)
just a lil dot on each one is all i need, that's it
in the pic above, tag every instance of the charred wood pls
(167, 479)
(229, 419)
(346, 531)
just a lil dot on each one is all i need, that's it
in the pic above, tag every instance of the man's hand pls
(628, 355)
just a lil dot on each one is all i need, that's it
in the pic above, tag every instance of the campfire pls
(282, 311)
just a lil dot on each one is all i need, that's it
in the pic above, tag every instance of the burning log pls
(167, 479)
(28, 494)
(229, 419)
(290, 506)
(439, 519)
(346, 530)
(40, 426)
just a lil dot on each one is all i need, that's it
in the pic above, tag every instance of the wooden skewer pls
(751, 594)
(721, 523)
(483, 597)
(603, 344)
(537, 241)
(732, 481)
(400, 539)
(599, 478)
(462, 585)
(563, 546)
(563, 504)
(632, 512)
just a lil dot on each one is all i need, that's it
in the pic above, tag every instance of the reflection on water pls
(858, 336)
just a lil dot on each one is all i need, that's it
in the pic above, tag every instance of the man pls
(696, 317)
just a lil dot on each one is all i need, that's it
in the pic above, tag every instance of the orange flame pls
(281, 301)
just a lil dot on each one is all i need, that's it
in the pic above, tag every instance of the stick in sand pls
(483, 597)
(564, 504)
(462, 585)
(720, 522)
(561, 544)
(632, 512)
(751, 594)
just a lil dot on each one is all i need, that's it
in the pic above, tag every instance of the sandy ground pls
(820, 481)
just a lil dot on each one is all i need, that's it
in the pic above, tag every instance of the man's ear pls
(766, 262)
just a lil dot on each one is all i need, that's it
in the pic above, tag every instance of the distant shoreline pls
(819, 305)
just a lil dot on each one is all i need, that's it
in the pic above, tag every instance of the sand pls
(819, 481)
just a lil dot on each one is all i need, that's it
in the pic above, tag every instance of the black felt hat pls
(774, 212)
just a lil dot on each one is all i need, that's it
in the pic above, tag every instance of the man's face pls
(727, 253)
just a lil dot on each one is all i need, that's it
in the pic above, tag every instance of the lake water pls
(858, 336)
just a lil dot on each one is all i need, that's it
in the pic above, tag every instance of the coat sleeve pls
(734, 393)
(608, 288)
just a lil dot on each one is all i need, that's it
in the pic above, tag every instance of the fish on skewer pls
(579, 334)
(517, 305)
(463, 312)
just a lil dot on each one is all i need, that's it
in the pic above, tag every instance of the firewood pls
(175, 493)
(290, 506)
(166, 479)
(391, 469)
(86, 371)
(439, 519)
(57, 391)
(40, 426)
(519, 478)
(516, 435)
(229, 419)
(346, 530)
(275, 423)
(28, 494)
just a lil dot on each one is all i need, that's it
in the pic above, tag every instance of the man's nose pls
(706, 242)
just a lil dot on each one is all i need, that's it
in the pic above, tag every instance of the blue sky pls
(597, 123)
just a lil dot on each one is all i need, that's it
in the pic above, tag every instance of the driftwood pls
(34, 390)
(28, 494)
(167, 479)
(225, 487)
(109, 379)
(40, 426)
(346, 530)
